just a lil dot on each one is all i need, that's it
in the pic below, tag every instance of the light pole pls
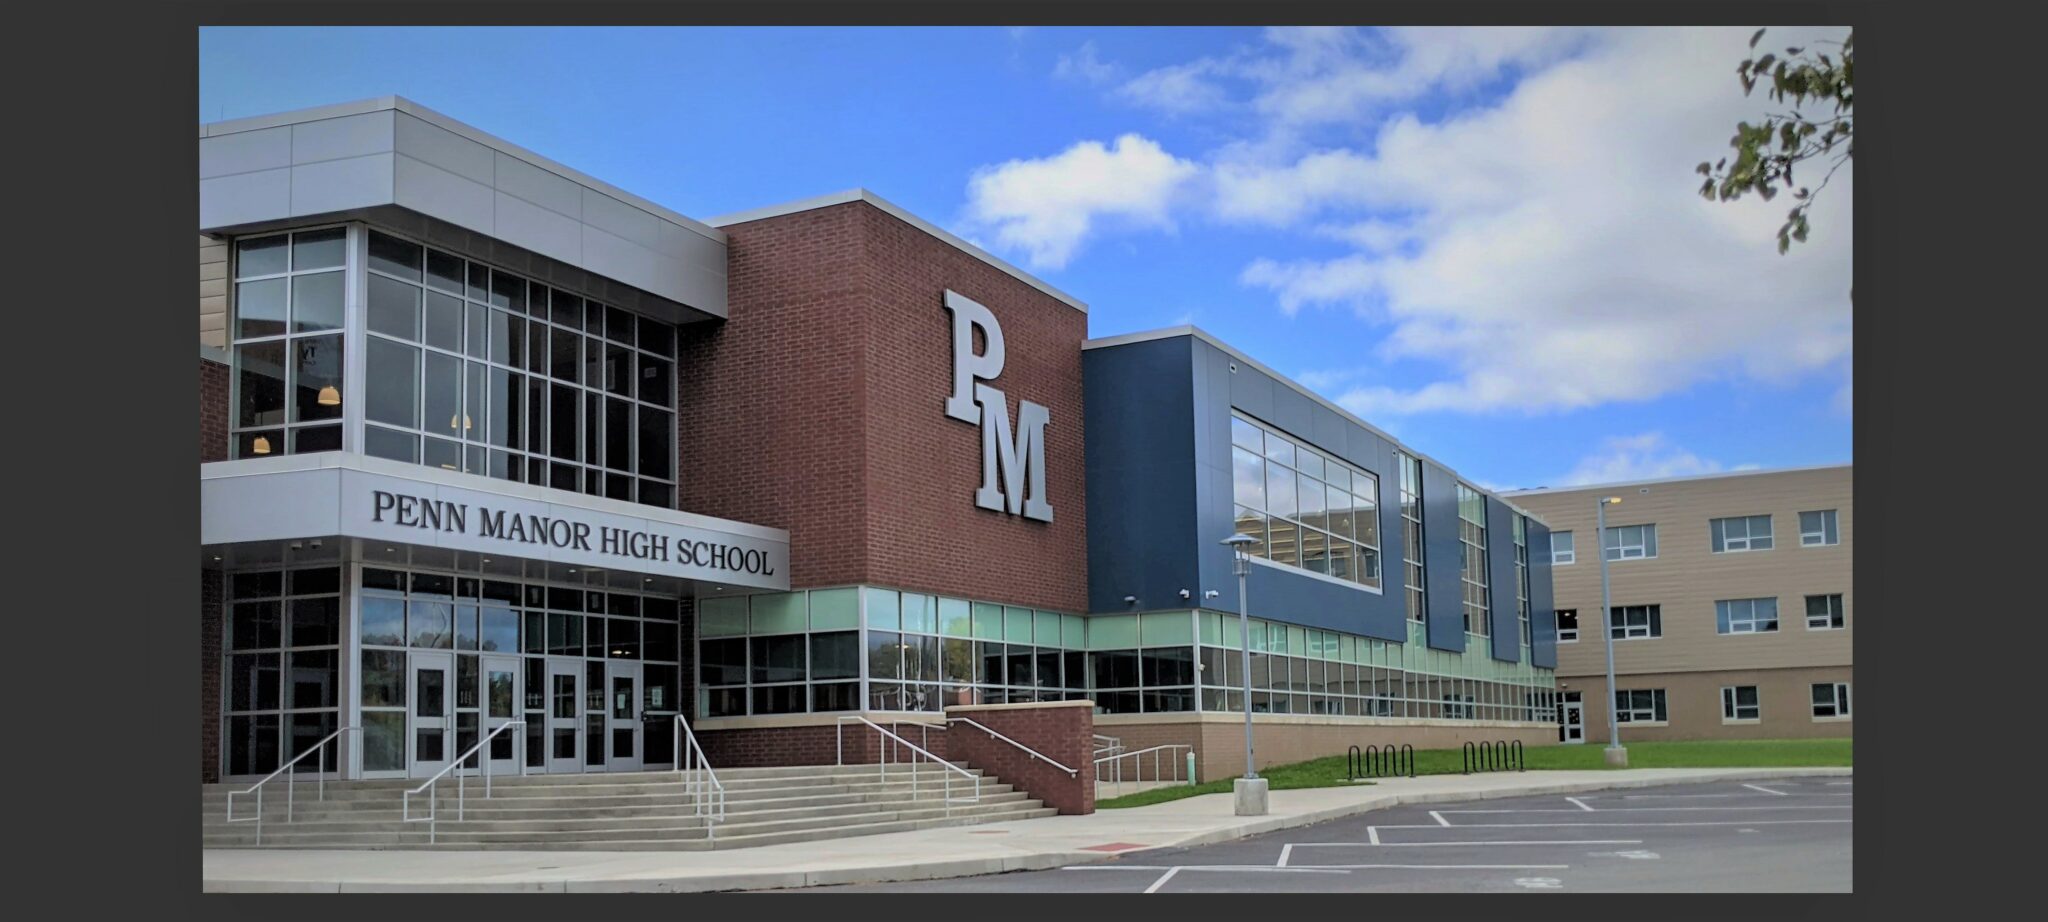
(1617, 756)
(1250, 789)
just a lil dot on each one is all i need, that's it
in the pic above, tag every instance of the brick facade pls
(213, 411)
(1218, 739)
(818, 406)
(210, 613)
(1062, 731)
(816, 744)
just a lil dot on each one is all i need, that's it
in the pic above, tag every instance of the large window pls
(1746, 616)
(1634, 622)
(1631, 542)
(1739, 702)
(1472, 561)
(1567, 625)
(287, 333)
(1824, 612)
(1411, 533)
(472, 368)
(1743, 533)
(282, 677)
(1522, 575)
(1309, 509)
(1831, 699)
(1639, 705)
(1562, 552)
(1817, 529)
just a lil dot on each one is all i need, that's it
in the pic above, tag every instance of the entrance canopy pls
(387, 503)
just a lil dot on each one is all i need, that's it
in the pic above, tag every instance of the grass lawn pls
(1329, 772)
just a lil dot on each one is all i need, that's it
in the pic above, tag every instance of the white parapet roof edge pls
(1238, 354)
(407, 106)
(1718, 475)
(863, 195)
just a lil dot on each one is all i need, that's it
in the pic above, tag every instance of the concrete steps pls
(619, 811)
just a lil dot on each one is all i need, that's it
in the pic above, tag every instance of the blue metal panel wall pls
(1500, 581)
(1440, 565)
(1542, 613)
(1142, 473)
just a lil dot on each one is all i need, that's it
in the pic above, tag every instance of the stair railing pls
(1114, 765)
(290, 780)
(1071, 773)
(1107, 745)
(432, 819)
(700, 783)
(882, 763)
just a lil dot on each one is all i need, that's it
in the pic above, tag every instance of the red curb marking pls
(1112, 847)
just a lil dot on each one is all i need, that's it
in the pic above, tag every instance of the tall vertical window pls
(1562, 552)
(1472, 560)
(1631, 542)
(472, 368)
(1309, 509)
(1746, 616)
(1411, 532)
(1739, 702)
(1742, 533)
(289, 294)
(281, 692)
(1831, 699)
(1824, 612)
(1522, 575)
(1818, 529)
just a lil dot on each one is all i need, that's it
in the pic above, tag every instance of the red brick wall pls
(213, 411)
(210, 593)
(1062, 731)
(814, 745)
(818, 406)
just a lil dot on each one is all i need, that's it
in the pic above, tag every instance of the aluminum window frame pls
(1641, 539)
(1837, 616)
(1829, 532)
(1326, 461)
(1742, 616)
(1645, 706)
(1651, 628)
(1732, 708)
(1837, 705)
(1567, 555)
(1723, 540)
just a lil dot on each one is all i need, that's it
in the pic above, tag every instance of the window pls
(1411, 533)
(288, 313)
(1562, 552)
(1309, 509)
(471, 368)
(281, 667)
(1472, 560)
(1522, 576)
(1743, 533)
(1631, 542)
(1639, 705)
(1746, 616)
(1739, 702)
(1631, 622)
(1458, 707)
(1831, 699)
(1818, 529)
(1568, 625)
(1824, 612)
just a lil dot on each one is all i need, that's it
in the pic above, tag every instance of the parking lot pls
(1766, 836)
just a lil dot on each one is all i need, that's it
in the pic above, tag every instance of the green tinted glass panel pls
(1297, 641)
(988, 621)
(1017, 625)
(884, 609)
(918, 614)
(1166, 629)
(1262, 636)
(954, 619)
(835, 609)
(725, 617)
(780, 613)
(1074, 633)
(1212, 628)
(1112, 632)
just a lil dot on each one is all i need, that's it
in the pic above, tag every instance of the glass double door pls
(594, 720)
(453, 702)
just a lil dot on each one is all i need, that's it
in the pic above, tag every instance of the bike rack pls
(1494, 756)
(1379, 762)
(1352, 764)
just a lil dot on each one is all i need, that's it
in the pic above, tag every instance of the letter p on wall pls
(968, 367)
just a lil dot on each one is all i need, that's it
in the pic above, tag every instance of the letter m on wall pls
(1020, 461)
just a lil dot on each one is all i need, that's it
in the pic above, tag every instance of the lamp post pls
(1250, 789)
(1617, 756)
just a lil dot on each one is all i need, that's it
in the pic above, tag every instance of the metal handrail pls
(461, 783)
(882, 764)
(1117, 766)
(290, 780)
(706, 792)
(1072, 773)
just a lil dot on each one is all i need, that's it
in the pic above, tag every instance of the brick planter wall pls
(1062, 730)
(1219, 739)
(817, 744)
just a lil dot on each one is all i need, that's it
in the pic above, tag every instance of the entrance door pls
(501, 706)
(1572, 724)
(622, 717)
(433, 713)
(565, 715)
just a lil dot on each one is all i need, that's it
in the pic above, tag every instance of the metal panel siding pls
(1440, 571)
(1500, 581)
(1391, 623)
(1542, 607)
(1141, 475)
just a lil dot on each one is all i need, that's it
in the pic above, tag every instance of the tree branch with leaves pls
(1766, 153)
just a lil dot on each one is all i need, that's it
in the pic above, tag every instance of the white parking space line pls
(1582, 804)
(1434, 867)
(1376, 844)
(1668, 809)
(1373, 833)
(1759, 787)
(1161, 882)
(1626, 823)
(1787, 794)
(1285, 850)
(1440, 821)
(1840, 783)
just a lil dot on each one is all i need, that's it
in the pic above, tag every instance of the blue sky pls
(1485, 241)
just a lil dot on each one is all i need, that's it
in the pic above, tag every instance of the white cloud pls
(1179, 89)
(1085, 65)
(1647, 456)
(1047, 207)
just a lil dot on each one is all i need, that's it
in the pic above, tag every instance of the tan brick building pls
(1733, 604)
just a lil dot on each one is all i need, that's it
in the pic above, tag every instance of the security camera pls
(1211, 594)
(1130, 600)
(1184, 593)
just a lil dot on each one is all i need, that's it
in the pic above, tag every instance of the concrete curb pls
(1024, 861)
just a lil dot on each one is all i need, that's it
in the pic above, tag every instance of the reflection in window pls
(1308, 509)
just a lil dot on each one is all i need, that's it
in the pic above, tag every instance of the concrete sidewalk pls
(923, 855)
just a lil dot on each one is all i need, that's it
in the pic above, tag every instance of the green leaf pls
(1760, 34)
